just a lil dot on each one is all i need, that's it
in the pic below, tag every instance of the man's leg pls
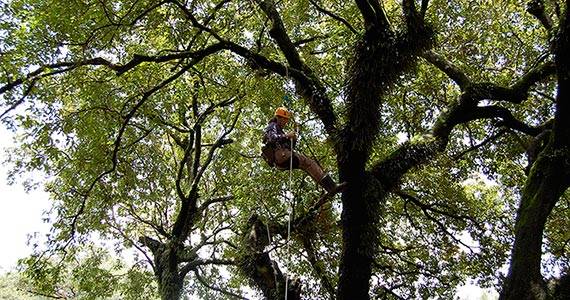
(310, 167)
(319, 176)
(283, 159)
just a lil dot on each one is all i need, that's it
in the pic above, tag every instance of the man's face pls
(282, 121)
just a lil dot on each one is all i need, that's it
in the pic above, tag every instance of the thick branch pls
(318, 266)
(548, 179)
(119, 69)
(411, 14)
(151, 244)
(202, 262)
(562, 59)
(448, 68)
(516, 93)
(536, 8)
(373, 14)
(407, 156)
(309, 86)
(214, 200)
(72, 65)
(534, 76)
(507, 119)
(189, 209)
(21, 100)
(279, 34)
(258, 266)
(424, 7)
(182, 165)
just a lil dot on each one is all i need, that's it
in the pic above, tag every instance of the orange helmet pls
(283, 112)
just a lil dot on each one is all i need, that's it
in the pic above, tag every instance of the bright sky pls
(20, 213)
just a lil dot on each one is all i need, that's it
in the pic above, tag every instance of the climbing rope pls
(269, 242)
(290, 197)
(289, 212)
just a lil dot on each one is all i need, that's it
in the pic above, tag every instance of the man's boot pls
(330, 186)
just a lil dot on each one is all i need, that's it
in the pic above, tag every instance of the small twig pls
(203, 281)
(334, 16)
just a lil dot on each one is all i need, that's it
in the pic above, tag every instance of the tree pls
(128, 106)
(548, 178)
(90, 273)
(9, 288)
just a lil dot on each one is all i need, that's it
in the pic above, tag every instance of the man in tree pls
(277, 151)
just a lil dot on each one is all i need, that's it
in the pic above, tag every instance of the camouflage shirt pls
(275, 136)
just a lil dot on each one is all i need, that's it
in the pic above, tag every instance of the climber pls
(277, 152)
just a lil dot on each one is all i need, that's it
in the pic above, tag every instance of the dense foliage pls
(448, 121)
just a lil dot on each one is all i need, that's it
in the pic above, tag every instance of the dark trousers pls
(300, 161)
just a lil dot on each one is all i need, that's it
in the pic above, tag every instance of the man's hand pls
(291, 136)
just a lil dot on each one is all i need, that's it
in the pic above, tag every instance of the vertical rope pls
(268, 253)
(289, 210)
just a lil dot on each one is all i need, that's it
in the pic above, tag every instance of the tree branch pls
(480, 145)
(63, 67)
(308, 86)
(413, 18)
(373, 14)
(214, 200)
(507, 119)
(182, 164)
(333, 15)
(516, 93)
(158, 228)
(318, 266)
(203, 281)
(425, 208)
(533, 76)
(258, 266)
(536, 8)
(118, 139)
(21, 100)
(189, 205)
(424, 7)
(448, 68)
(201, 262)
(151, 244)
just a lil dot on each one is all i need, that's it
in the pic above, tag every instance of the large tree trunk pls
(544, 188)
(549, 178)
(170, 282)
(358, 238)
(170, 279)
(381, 56)
(170, 285)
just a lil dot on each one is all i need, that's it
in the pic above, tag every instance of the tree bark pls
(548, 179)
(165, 266)
(544, 188)
(379, 59)
(170, 282)
(358, 237)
